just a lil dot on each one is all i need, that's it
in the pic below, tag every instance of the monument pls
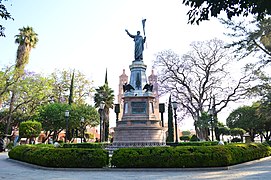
(139, 125)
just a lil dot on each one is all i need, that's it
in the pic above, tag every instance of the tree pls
(186, 133)
(89, 113)
(245, 117)
(204, 9)
(251, 38)
(263, 112)
(170, 137)
(198, 76)
(221, 130)
(81, 86)
(32, 90)
(6, 81)
(185, 138)
(30, 129)
(71, 89)
(4, 14)
(27, 39)
(53, 120)
(106, 94)
(237, 132)
(204, 124)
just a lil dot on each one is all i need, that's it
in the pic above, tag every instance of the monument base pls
(139, 137)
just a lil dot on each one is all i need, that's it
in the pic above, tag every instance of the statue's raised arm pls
(132, 36)
(139, 45)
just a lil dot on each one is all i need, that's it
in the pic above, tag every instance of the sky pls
(89, 35)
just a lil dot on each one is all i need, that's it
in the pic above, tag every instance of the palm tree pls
(27, 39)
(106, 94)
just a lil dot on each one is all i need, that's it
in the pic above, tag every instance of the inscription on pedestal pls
(138, 107)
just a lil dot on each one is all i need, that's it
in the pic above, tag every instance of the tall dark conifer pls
(170, 122)
(71, 89)
(106, 81)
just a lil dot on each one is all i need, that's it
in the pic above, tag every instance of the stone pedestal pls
(139, 125)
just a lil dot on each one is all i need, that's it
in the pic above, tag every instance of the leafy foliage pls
(194, 138)
(27, 39)
(245, 117)
(82, 88)
(6, 82)
(186, 133)
(251, 38)
(204, 124)
(264, 113)
(32, 90)
(4, 14)
(53, 120)
(60, 157)
(204, 9)
(106, 94)
(222, 131)
(188, 156)
(52, 116)
(185, 138)
(30, 129)
(84, 145)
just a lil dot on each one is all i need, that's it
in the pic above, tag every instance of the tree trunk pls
(252, 135)
(11, 108)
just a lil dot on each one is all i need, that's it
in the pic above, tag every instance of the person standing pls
(16, 136)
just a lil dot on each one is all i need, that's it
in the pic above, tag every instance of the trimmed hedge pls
(85, 145)
(195, 143)
(188, 156)
(60, 157)
(148, 157)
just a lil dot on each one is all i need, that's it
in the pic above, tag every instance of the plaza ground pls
(11, 169)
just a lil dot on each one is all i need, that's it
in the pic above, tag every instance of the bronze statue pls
(139, 45)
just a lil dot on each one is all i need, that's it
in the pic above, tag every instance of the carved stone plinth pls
(139, 125)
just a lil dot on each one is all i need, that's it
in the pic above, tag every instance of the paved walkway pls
(10, 169)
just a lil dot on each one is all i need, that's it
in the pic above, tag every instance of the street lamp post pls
(102, 104)
(174, 104)
(117, 111)
(67, 114)
(162, 110)
(82, 128)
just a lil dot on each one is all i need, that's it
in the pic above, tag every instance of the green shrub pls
(194, 143)
(85, 145)
(188, 156)
(60, 157)
(236, 139)
(199, 143)
(194, 138)
(267, 143)
(30, 129)
(185, 138)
